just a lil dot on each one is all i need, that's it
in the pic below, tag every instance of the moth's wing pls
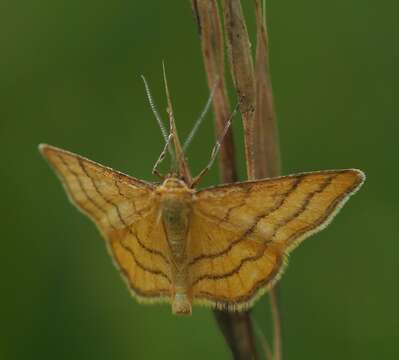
(125, 212)
(241, 233)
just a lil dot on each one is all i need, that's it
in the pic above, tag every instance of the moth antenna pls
(154, 109)
(201, 117)
(180, 164)
(161, 157)
(216, 147)
(161, 126)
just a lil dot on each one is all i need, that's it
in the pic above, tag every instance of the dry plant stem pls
(263, 341)
(242, 70)
(253, 85)
(275, 309)
(236, 327)
(266, 145)
(238, 331)
(265, 138)
(210, 30)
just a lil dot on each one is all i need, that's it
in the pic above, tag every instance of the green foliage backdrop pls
(69, 76)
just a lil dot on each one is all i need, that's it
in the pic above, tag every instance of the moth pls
(222, 246)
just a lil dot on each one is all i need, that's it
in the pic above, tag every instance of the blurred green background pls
(69, 76)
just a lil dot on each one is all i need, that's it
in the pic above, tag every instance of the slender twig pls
(253, 87)
(275, 310)
(263, 341)
(235, 327)
(242, 71)
(266, 144)
(210, 30)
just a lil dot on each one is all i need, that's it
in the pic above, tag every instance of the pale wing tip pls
(360, 176)
(360, 173)
(43, 148)
(47, 151)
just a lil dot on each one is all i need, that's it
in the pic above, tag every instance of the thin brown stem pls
(263, 341)
(266, 143)
(253, 86)
(210, 29)
(266, 151)
(237, 330)
(235, 327)
(242, 71)
(274, 305)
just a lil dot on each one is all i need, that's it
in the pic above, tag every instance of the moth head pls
(173, 182)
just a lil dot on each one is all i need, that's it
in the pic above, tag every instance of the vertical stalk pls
(235, 327)
(212, 45)
(266, 144)
(242, 71)
(253, 87)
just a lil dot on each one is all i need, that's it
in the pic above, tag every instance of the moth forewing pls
(255, 225)
(123, 209)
